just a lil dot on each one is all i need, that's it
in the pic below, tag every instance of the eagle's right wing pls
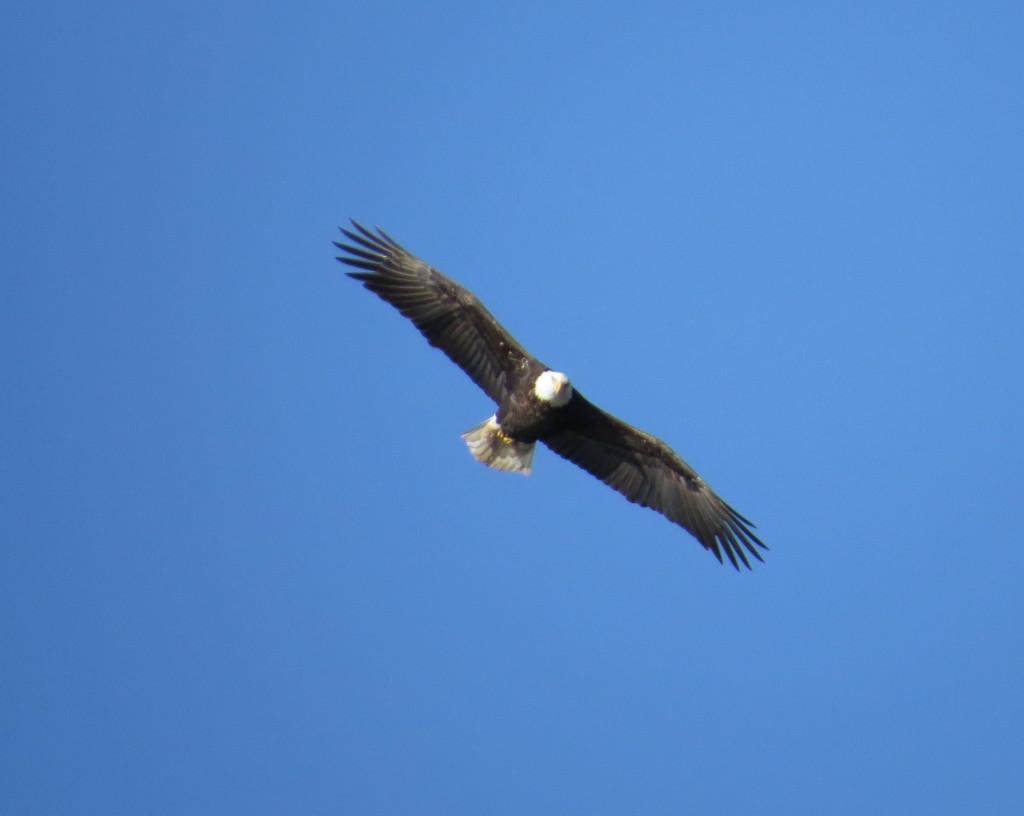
(447, 314)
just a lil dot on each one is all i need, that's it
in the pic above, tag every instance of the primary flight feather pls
(536, 403)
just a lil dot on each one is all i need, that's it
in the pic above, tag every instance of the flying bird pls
(537, 403)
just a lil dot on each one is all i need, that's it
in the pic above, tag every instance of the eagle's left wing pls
(648, 472)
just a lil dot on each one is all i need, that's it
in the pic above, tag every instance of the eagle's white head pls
(553, 387)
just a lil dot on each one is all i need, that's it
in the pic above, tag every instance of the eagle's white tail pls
(489, 445)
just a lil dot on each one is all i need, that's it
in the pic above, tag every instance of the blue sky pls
(247, 563)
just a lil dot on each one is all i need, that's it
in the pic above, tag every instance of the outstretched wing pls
(450, 316)
(647, 471)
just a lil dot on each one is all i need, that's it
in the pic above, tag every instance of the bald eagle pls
(537, 403)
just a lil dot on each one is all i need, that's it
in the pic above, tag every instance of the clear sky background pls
(247, 563)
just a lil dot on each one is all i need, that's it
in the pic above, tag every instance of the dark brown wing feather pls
(647, 471)
(450, 316)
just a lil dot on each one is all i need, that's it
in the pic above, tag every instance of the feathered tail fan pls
(489, 445)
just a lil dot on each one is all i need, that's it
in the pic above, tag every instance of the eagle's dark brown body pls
(535, 405)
